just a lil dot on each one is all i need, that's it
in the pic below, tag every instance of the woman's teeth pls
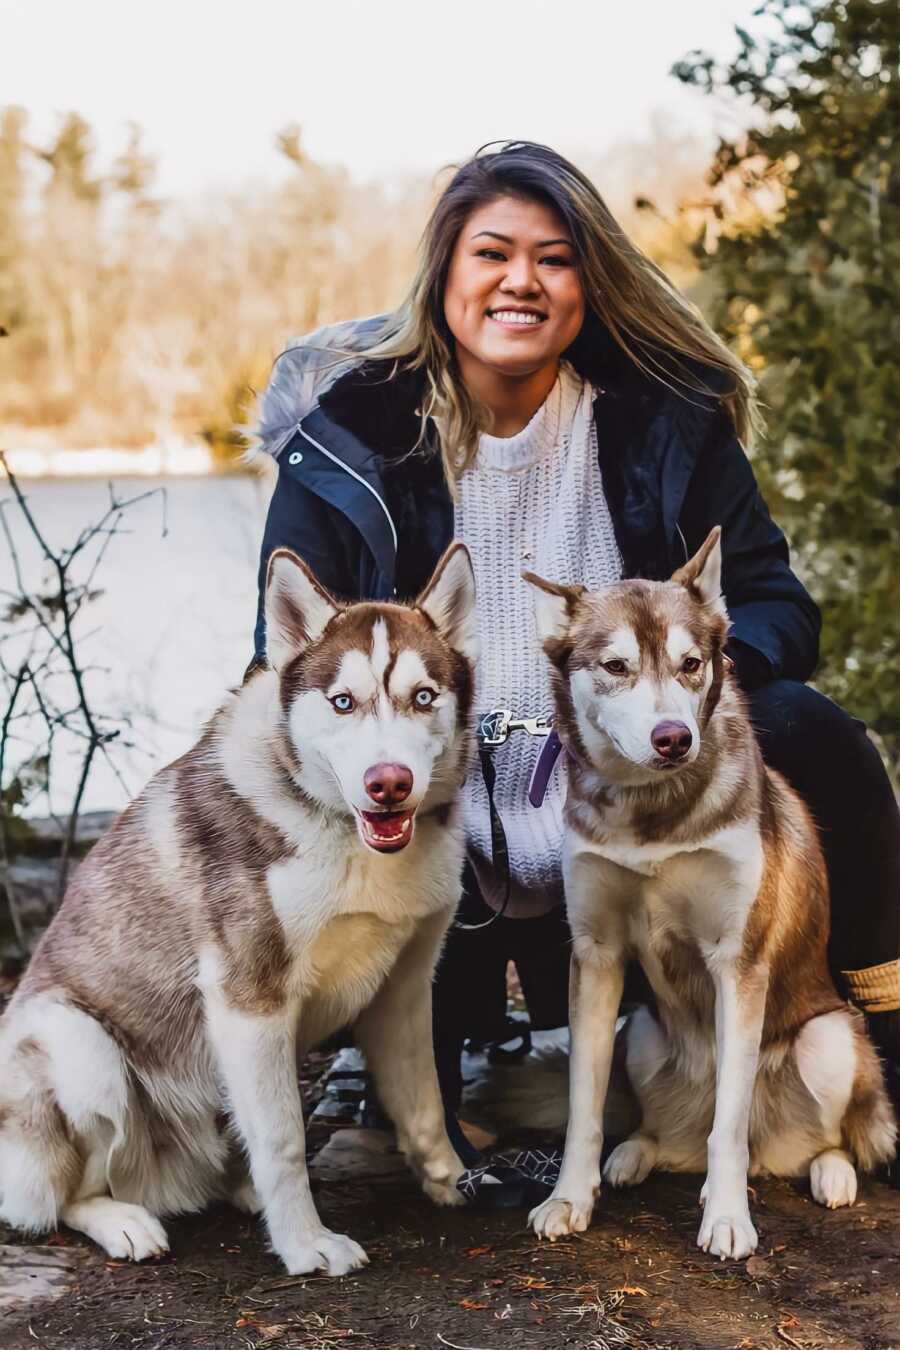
(513, 316)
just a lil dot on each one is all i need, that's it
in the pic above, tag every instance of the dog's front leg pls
(726, 1229)
(395, 1034)
(257, 1059)
(596, 978)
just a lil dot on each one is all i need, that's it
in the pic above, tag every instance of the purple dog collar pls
(550, 752)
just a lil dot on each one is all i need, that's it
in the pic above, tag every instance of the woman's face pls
(513, 299)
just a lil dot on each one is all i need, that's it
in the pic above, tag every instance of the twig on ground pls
(453, 1345)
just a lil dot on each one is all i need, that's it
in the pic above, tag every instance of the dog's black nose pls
(388, 784)
(672, 740)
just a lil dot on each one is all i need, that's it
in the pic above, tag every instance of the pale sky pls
(383, 88)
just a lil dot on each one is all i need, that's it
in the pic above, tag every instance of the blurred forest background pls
(128, 317)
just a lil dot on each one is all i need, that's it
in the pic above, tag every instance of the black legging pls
(830, 760)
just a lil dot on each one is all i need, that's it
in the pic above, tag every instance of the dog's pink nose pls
(672, 740)
(388, 784)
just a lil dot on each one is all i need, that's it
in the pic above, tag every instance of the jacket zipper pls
(359, 478)
(687, 556)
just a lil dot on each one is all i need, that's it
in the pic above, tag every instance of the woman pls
(546, 395)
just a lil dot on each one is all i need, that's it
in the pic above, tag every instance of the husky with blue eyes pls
(683, 850)
(292, 874)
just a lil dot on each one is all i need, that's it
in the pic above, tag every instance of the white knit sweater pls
(530, 502)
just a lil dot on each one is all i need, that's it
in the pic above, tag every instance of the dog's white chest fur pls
(346, 914)
(335, 877)
(662, 893)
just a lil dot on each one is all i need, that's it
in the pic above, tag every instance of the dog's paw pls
(334, 1253)
(136, 1235)
(558, 1218)
(731, 1237)
(438, 1172)
(832, 1179)
(630, 1162)
(125, 1232)
(443, 1192)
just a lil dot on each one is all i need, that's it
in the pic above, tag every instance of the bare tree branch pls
(52, 671)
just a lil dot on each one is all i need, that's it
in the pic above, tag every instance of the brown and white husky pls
(684, 850)
(293, 873)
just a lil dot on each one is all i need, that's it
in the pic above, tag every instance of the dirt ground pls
(479, 1281)
(467, 1280)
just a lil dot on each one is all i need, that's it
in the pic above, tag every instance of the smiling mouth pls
(386, 831)
(517, 318)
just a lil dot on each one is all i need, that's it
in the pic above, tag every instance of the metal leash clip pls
(495, 726)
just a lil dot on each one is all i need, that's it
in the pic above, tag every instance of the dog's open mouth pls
(386, 831)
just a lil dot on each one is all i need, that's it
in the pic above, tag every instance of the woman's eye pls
(691, 664)
(615, 667)
(558, 261)
(492, 254)
(343, 703)
(424, 698)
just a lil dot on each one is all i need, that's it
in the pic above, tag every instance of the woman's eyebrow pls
(542, 243)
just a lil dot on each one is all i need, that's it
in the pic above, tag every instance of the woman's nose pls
(521, 278)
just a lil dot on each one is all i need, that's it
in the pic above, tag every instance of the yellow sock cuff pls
(875, 989)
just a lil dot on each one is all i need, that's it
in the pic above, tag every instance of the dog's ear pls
(553, 613)
(449, 600)
(554, 607)
(702, 575)
(298, 609)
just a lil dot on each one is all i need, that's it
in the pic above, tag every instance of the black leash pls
(493, 731)
(499, 846)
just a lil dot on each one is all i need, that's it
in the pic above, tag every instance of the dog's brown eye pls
(342, 703)
(615, 667)
(691, 664)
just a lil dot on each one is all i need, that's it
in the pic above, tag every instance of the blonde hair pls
(649, 319)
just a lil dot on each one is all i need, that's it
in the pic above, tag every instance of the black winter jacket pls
(371, 516)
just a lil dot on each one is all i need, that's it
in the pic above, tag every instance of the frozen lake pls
(174, 627)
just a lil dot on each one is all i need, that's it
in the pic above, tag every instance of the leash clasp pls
(495, 726)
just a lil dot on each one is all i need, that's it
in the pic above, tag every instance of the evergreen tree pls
(808, 289)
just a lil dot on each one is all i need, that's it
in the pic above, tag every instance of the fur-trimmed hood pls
(303, 374)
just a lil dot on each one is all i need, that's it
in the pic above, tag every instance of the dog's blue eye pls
(425, 698)
(343, 703)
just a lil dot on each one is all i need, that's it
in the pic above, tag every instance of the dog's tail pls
(869, 1126)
